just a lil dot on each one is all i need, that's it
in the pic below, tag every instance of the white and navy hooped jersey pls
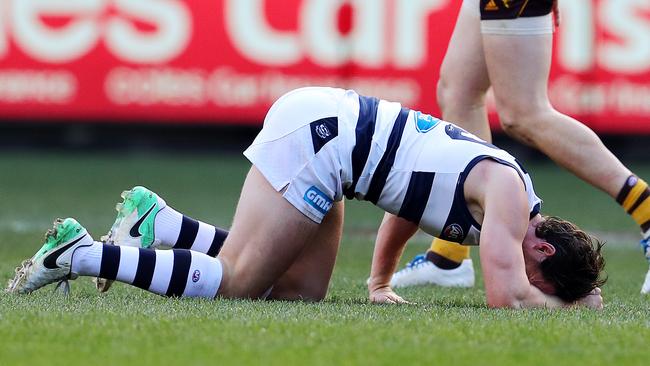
(414, 166)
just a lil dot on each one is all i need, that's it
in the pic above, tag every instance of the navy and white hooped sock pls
(178, 231)
(177, 272)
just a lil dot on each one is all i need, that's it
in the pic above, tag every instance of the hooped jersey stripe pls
(417, 195)
(388, 158)
(364, 131)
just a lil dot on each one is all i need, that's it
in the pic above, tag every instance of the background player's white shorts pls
(523, 26)
(297, 149)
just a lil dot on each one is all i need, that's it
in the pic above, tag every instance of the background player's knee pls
(454, 96)
(523, 120)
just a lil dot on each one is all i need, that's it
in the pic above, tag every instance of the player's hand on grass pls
(594, 300)
(386, 295)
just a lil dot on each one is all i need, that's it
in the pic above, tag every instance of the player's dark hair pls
(575, 268)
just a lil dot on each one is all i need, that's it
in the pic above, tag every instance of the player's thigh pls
(519, 66)
(463, 74)
(266, 237)
(309, 276)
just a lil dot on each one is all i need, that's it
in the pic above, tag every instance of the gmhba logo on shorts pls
(318, 200)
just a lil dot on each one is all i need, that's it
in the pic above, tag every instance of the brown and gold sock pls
(635, 199)
(446, 254)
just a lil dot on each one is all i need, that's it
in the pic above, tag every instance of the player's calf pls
(69, 251)
(144, 220)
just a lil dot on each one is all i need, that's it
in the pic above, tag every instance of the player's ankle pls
(634, 197)
(441, 261)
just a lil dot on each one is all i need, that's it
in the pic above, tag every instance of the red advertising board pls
(226, 61)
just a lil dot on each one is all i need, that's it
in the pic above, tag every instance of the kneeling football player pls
(317, 146)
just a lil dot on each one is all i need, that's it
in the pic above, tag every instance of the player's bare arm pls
(392, 236)
(512, 277)
(504, 225)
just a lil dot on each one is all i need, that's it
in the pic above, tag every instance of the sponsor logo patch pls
(196, 275)
(318, 200)
(424, 122)
(453, 232)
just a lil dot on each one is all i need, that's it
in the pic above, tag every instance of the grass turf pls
(446, 326)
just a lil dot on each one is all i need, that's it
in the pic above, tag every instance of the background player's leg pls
(519, 68)
(268, 234)
(461, 92)
(309, 276)
(462, 87)
(464, 78)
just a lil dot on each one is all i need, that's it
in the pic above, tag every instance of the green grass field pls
(446, 326)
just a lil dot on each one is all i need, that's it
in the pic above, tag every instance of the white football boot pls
(52, 263)
(645, 245)
(421, 271)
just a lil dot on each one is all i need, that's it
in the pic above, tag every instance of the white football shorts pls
(298, 149)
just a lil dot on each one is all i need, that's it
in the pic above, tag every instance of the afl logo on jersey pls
(424, 122)
(196, 276)
(453, 232)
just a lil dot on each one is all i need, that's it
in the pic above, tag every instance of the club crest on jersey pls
(318, 200)
(424, 122)
(322, 131)
(453, 232)
(196, 276)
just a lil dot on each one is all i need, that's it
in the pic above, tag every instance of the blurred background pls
(186, 74)
(97, 96)
(116, 87)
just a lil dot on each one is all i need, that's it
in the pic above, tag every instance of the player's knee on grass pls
(239, 285)
(300, 286)
(298, 294)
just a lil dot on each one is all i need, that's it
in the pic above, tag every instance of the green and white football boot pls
(53, 261)
(134, 225)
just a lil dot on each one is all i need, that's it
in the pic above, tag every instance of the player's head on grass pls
(575, 267)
